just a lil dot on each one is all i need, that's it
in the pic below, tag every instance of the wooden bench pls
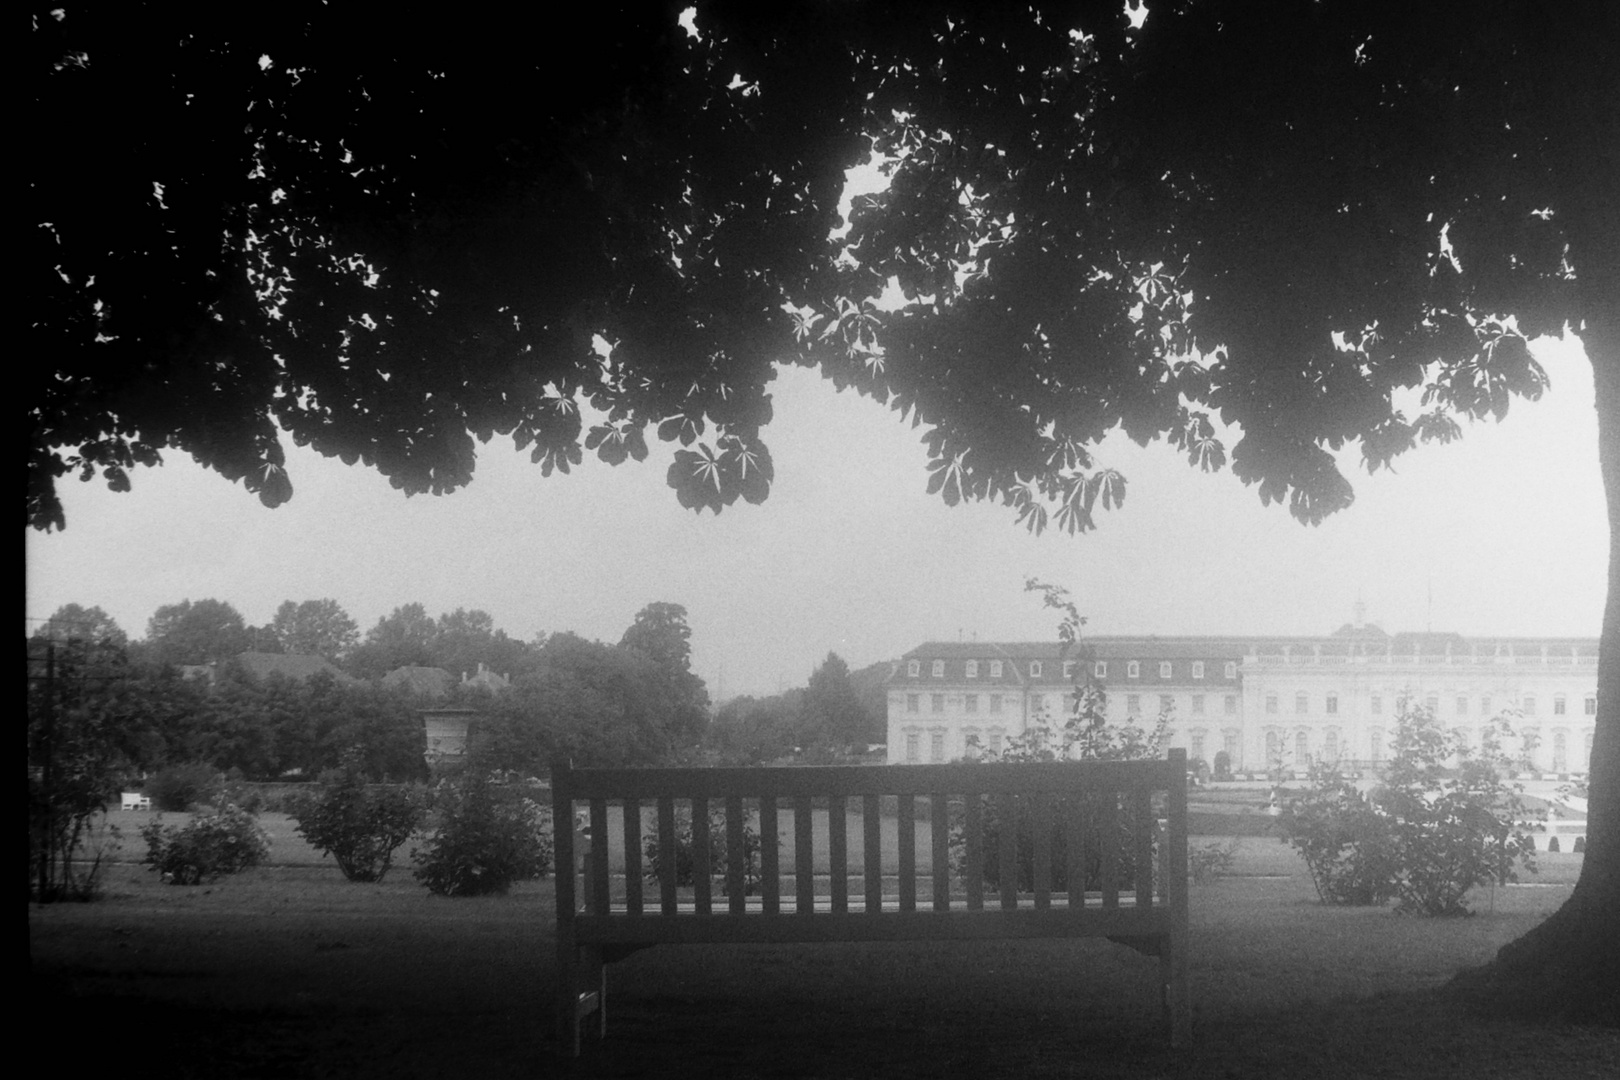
(1091, 809)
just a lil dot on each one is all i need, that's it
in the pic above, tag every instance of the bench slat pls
(1054, 922)
(804, 877)
(872, 850)
(702, 872)
(973, 835)
(1040, 817)
(939, 834)
(838, 856)
(1144, 822)
(601, 901)
(666, 855)
(632, 856)
(856, 780)
(1074, 843)
(736, 860)
(906, 822)
(770, 842)
(1007, 848)
(1107, 830)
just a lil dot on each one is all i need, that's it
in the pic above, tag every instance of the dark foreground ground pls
(289, 971)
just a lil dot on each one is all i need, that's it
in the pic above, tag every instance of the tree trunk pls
(1569, 966)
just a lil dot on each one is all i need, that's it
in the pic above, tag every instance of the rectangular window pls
(1164, 669)
(1229, 743)
(1432, 703)
(1529, 704)
(1271, 703)
(1231, 669)
(995, 669)
(970, 703)
(939, 669)
(936, 703)
(1485, 705)
(996, 739)
(1302, 703)
(1589, 706)
(972, 743)
(1068, 669)
(1166, 703)
(1332, 704)
(1197, 748)
(914, 668)
(936, 746)
(995, 703)
(1100, 669)
(1198, 669)
(1378, 705)
(913, 748)
(1231, 704)
(973, 669)
(1376, 737)
(1198, 704)
(1133, 669)
(1330, 745)
(1462, 705)
(1558, 707)
(1133, 703)
(1034, 669)
(913, 704)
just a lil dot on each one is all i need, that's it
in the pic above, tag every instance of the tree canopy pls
(391, 239)
(316, 628)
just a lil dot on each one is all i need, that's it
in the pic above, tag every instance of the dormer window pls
(1068, 669)
(1198, 669)
(1133, 669)
(1231, 669)
(995, 669)
(1034, 669)
(1164, 669)
(1100, 669)
(939, 669)
(913, 668)
(973, 669)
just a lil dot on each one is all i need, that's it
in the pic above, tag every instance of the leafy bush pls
(489, 834)
(1450, 828)
(181, 786)
(1343, 838)
(1432, 832)
(1211, 861)
(360, 825)
(719, 859)
(1223, 765)
(217, 841)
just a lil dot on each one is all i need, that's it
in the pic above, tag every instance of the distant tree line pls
(636, 702)
(834, 716)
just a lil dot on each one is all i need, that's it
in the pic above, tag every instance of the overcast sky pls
(1506, 531)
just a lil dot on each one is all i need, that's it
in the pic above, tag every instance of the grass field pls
(289, 971)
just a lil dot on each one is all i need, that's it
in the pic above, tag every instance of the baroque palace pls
(1261, 701)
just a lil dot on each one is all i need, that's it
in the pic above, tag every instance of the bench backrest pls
(1093, 828)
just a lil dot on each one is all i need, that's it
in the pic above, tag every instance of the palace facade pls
(1262, 701)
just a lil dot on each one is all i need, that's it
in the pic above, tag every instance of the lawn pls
(289, 971)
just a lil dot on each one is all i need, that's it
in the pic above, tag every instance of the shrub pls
(1450, 828)
(183, 785)
(358, 824)
(217, 841)
(719, 858)
(489, 834)
(1211, 861)
(1431, 833)
(1343, 838)
(1223, 765)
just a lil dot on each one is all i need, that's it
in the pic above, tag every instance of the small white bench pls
(134, 800)
(1098, 806)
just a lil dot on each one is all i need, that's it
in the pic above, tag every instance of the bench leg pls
(583, 997)
(1173, 986)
